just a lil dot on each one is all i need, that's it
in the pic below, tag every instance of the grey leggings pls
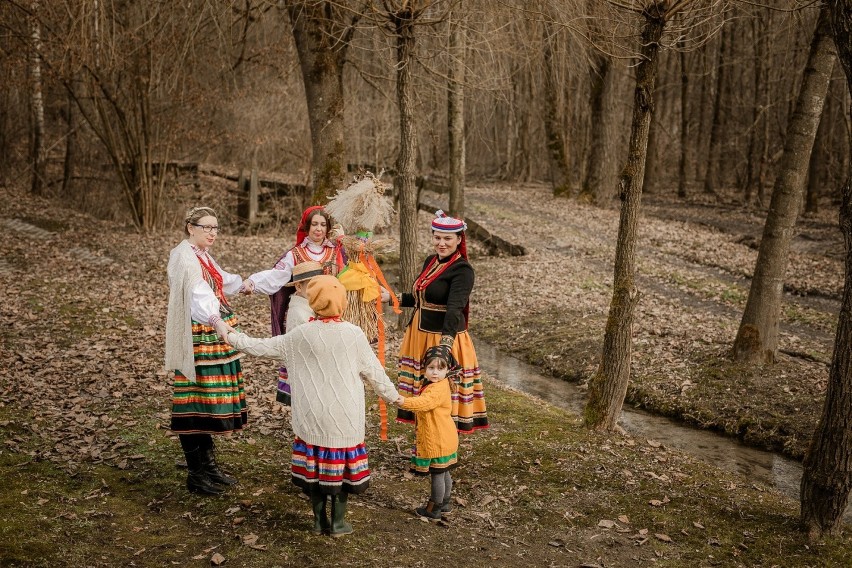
(442, 487)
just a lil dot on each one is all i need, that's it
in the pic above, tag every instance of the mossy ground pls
(535, 489)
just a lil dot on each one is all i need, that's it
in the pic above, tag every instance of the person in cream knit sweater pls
(326, 358)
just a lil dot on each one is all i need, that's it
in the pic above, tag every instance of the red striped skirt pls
(331, 470)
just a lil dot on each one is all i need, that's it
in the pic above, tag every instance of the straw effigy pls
(362, 207)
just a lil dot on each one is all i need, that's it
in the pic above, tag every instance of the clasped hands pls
(247, 288)
(222, 330)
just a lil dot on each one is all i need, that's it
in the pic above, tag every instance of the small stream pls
(757, 466)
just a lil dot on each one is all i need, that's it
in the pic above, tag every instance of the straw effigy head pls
(362, 205)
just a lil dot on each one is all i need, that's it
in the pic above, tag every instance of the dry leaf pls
(217, 559)
(663, 537)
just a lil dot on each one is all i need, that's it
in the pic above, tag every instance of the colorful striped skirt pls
(216, 402)
(331, 470)
(425, 466)
(468, 409)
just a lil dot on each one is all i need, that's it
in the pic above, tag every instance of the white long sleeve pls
(270, 281)
(270, 347)
(203, 303)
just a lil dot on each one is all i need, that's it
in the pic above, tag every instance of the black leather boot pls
(212, 470)
(197, 480)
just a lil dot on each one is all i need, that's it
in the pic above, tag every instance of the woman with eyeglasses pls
(208, 396)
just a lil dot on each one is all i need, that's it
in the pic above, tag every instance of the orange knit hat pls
(327, 296)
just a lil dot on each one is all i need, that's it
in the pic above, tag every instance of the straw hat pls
(305, 271)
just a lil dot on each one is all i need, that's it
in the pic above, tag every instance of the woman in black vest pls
(441, 298)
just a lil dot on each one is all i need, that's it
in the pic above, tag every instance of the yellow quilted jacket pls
(437, 435)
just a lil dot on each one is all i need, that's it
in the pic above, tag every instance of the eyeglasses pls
(214, 229)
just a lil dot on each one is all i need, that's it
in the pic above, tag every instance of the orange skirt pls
(469, 402)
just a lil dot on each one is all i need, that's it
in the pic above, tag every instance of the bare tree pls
(455, 110)
(827, 477)
(601, 77)
(684, 125)
(711, 180)
(323, 32)
(557, 157)
(757, 337)
(404, 16)
(608, 385)
(37, 148)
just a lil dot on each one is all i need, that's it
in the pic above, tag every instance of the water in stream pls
(756, 465)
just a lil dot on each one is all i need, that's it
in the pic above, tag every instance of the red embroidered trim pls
(427, 276)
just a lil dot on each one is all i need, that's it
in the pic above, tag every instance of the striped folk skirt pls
(216, 402)
(425, 466)
(331, 470)
(468, 409)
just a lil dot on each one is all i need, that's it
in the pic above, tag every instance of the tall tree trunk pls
(455, 111)
(816, 167)
(557, 158)
(322, 50)
(684, 125)
(7, 109)
(711, 179)
(609, 384)
(757, 338)
(698, 143)
(406, 161)
(37, 155)
(756, 112)
(600, 84)
(766, 99)
(70, 143)
(827, 476)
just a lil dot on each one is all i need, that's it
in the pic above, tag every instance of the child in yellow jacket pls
(436, 435)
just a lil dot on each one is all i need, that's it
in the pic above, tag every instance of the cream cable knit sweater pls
(325, 362)
(184, 271)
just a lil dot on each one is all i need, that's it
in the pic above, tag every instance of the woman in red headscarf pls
(441, 298)
(312, 243)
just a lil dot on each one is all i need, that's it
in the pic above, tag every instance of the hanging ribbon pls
(373, 268)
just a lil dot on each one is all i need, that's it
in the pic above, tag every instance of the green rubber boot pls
(318, 504)
(339, 526)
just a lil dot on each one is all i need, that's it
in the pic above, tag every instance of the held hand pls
(400, 400)
(222, 330)
(385, 295)
(336, 231)
(247, 288)
(443, 351)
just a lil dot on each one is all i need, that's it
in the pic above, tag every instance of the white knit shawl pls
(184, 272)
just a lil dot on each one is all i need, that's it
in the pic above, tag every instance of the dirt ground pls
(90, 466)
(694, 264)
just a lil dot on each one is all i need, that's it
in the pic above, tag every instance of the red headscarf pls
(301, 233)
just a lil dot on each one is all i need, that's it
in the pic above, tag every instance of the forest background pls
(129, 110)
